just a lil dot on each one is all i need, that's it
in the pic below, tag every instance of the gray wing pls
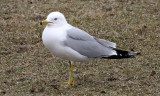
(86, 44)
(106, 43)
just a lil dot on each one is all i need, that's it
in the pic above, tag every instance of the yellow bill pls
(44, 22)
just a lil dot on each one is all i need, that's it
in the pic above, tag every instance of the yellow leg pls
(71, 81)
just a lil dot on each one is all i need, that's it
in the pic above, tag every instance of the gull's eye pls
(55, 18)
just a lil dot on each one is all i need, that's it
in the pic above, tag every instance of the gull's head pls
(56, 19)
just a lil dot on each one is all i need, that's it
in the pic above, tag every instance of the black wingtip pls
(123, 54)
(138, 53)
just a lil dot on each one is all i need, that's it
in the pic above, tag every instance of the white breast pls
(53, 41)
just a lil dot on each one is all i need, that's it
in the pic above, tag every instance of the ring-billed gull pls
(73, 44)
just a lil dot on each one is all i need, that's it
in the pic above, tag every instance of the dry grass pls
(27, 68)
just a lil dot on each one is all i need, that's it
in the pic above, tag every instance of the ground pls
(28, 68)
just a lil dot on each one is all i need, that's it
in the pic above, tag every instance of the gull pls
(71, 43)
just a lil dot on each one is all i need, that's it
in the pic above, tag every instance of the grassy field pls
(27, 68)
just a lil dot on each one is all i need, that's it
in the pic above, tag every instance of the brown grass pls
(27, 68)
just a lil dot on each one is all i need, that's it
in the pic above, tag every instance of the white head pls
(55, 19)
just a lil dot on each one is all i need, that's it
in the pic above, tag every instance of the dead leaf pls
(153, 73)
(23, 49)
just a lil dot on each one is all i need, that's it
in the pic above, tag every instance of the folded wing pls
(87, 45)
